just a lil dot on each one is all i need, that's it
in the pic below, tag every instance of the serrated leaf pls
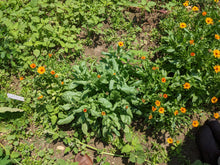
(126, 149)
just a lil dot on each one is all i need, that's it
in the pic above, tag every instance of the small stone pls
(60, 148)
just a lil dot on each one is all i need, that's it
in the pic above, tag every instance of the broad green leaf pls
(36, 52)
(67, 149)
(67, 120)
(8, 109)
(111, 84)
(126, 149)
(85, 128)
(70, 96)
(126, 119)
(53, 119)
(128, 90)
(15, 155)
(67, 106)
(170, 50)
(104, 102)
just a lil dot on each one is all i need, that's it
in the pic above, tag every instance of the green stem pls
(2, 146)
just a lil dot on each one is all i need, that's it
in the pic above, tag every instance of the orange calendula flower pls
(216, 0)
(50, 55)
(103, 113)
(217, 36)
(85, 110)
(161, 110)
(177, 142)
(21, 78)
(183, 110)
(195, 8)
(204, 13)
(40, 97)
(114, 74)
(143, 57)
(120, 44)
(126, 107)
(176, 112)
(192, 54)
(52, 72)
(150, 117)
(157, 103)
(154, 109)
(214, 100)
(62, 83)
(209, 20)
(185, 4)
(99, 76)
(195, 123)
(216, 115)
(165, 95)
(41, 70)
(56, 76)
(217, 68)
(216, 53)
(186, 85)
(170, 140)
(182, 25)
(163, 80)
(33, 65)
(155, 68)
(191, 42)
(143, 100)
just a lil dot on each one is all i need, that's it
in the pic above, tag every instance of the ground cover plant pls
(102, 99)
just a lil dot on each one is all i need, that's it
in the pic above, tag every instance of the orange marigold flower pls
(52, 72)
(161, 110)
(50, 55)
(191, 42)
(41, 70)
(99, 76)
(143, 100)
(150, 117)
(126, 107)
(170, 140)
(21, 78)
(163, 80)
(103, 113)
(214, 100)
(192, 54)
(183, 110)
(56, 76)
(120, 44)
(216, 115)
(85, 110)
(40, 97)
(114, 74)
(216, 0)
(176, 112)
(217, 68)
(143, 57)
(33, 65)
(195, 8)
(185, 4)
(216, 53)
(186, 85)
(62, 83)
(165, 95)
(204, 13)
(177, 142)
(154, 109)
(217, 36)
(209, 20)
(195, 123)
(157, 103)
(182, 25)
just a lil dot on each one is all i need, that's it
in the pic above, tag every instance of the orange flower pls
(103, 113)
(40, 97)
(209, 20)
(177, 142)
(216, 0)
(217, 36)
(214, 100)
(52, 72)
(161, 110)
(176, 112)
(99, 76)
(21, 78)
(183, 110)
(186, 85)
(217, 68)
(85, 110)
(185, 4)
(192, 54)
(143, 100)
(157, 103)
(154, 109)
(182, 25)
(120, 44)
(204, 13)
(41, 70)
(165, 95)
(216, 115)
(62, 83)
(191, 42)
(50, 55)
(126, 107)
(143, 57)
(33, 65)
(114, 74)
(56, 76)
(150, 117)
(195, 123)
(153, 68)
(216, 53)
(163, 80)
(170, 140)
(195, 8)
